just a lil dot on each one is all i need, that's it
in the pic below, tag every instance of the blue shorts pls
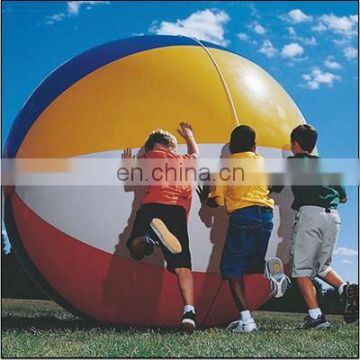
(246, 241)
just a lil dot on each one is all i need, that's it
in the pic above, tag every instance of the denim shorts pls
(246, 241)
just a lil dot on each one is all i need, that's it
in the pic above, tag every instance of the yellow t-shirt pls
(252, 192)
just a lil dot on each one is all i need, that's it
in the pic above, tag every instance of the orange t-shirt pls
(163, 192)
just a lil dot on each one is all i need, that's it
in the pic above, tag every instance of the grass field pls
(32, 328)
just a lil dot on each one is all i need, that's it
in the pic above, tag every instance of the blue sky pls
(310, 48)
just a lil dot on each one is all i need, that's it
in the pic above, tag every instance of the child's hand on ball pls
(127, 154)
(185, 130)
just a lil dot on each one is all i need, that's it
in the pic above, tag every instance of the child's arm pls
(211, 196)
(203, 193)
(342, 193)
(186, 133)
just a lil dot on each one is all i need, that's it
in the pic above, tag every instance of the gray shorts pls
(313, 240)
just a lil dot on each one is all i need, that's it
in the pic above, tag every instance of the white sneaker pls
(279, 282)
(239, 326)
(233, 325)
(249, 326)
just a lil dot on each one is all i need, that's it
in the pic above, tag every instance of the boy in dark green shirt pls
(325, 196)
(315, 231)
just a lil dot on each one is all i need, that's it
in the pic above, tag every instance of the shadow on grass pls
(45, 323)
(22, 322)
(54, 323)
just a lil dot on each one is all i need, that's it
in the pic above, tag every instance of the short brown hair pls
(162, 137)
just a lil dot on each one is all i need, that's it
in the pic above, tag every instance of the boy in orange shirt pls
(162, 217)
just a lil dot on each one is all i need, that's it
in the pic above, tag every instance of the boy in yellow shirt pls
(250, 225)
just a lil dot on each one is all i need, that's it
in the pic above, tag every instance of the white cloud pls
(292, 50)
(317, 77)
(292, 33)
(341, 42)
(319, 27)
(354, 18)
(73, 8)
(297, 16)
(343, 25)
(350, 53)
(268, 49)
(346, 261)
(243, 37)
(309, 41)
(293, 61)
(344, 251)
(55, 18)
(306, 41)
(205, 25)
(330, 63)
(257, 28)
(254, 12)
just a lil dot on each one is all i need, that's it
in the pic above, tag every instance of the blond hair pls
(162, 137)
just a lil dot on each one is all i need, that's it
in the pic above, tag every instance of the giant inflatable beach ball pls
(71, 239)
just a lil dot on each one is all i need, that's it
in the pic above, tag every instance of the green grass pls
(33, 328)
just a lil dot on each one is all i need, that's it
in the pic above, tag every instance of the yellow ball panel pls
(260, 101)
(119, 104)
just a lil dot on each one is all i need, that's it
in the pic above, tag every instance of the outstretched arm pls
(203, 193)
(185, 131)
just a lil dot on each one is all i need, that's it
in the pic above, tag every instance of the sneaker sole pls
(232, 326)
(325, 325)
(251, 331)
(165, 236)
(351, 312)
(275, 273)
(188, 326)
(243, 331)
(237, 331)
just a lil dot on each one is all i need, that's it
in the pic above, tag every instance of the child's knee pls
(182, 271)
(324, 271)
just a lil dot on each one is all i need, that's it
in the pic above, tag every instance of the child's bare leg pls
(308, 292)
(186, 285)
(238, 293)
(333, 278)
